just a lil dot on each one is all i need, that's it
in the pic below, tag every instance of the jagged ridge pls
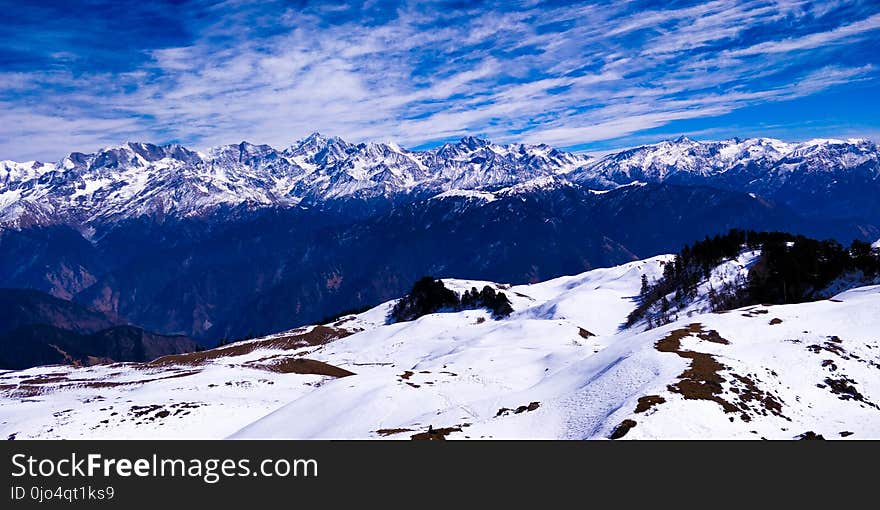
(139, 179)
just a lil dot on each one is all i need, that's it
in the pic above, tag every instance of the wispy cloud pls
(424, 72)
(815, 40)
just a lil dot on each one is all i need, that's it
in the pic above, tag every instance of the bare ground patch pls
(300, 366)
(317, 335)
(622, 428)
(391, 432)
(42, 386)
(845, 389)
(834, 345)
(647, 402)
(433, 434)
(703, 379)
(153, 412)
(751, 395)
(504, 411)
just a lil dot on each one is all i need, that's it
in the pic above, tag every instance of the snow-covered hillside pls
(141, 179)
(559, 367)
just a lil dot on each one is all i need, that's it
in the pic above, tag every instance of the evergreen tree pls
(428, 295)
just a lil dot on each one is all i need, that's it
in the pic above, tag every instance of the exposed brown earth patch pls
(140, 411)
(152, 412)
(504, 411)
(702, 380)
(41, 386)
(775, 320)
(827, 346)
(845, 389)
(47, 380)
(834, 345)
(584, 333)
(391, 432)
(317, 335)
(751, 395)
(406, 375)
(810, 435)
(433, 434)
(621, 429)
(647, 402)
(301, 366)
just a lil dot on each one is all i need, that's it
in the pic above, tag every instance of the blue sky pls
(78, 75)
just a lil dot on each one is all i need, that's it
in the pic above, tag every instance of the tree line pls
(790, 269)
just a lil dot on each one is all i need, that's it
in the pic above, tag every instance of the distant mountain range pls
(139, 179)
(247, 239)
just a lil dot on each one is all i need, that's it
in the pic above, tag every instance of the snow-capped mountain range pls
(140, 179)
(685, 159)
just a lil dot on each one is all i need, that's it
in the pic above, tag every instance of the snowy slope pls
(769, 365)
(558, 367)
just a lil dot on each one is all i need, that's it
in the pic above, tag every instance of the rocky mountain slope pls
(40, 329)
(22, 307)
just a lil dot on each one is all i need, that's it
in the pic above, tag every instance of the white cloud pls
(589, 73)
(813, 40)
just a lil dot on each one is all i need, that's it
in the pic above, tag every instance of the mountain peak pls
(473, 142)
(316, 137)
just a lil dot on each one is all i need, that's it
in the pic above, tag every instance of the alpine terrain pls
(245, 240)
(646, 349)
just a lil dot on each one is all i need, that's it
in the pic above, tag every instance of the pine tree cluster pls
(430, 295)
(791, 269)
